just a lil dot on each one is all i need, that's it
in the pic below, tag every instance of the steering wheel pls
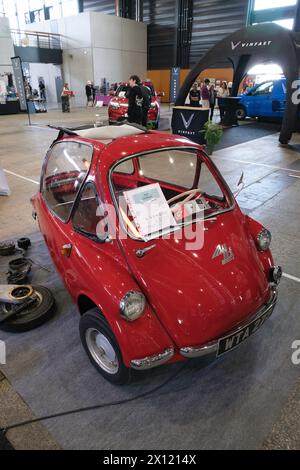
(189, 195)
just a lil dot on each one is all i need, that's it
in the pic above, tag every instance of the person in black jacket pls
(195, 96)
(89, 93)
(135, 100)
(146, 92)
(42, 90)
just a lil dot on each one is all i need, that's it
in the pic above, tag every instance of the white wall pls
(77, 70)
(97, 46)
(48, 72)
(119, 48)
(6, 46)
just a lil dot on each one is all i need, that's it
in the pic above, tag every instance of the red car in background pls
(118, 105)
(149, 294)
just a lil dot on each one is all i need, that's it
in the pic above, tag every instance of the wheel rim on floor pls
(28, 312)
(102, 351)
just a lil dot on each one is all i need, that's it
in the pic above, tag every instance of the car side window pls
(126, 167)
(264, 89)
(88, 217)
(66, 167)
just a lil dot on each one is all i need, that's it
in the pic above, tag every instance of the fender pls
(253, 227)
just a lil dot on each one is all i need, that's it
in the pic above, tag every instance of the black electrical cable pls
(4, 430)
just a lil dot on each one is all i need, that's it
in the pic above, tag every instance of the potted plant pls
(212, 135)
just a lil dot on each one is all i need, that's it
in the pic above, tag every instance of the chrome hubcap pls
(102, 351)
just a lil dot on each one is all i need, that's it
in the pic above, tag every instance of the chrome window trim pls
(140, 154)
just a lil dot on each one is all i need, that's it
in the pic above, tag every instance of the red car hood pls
(196, 297)
(119, 100)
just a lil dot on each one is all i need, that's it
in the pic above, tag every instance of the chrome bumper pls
(152, 361)
(212, 347)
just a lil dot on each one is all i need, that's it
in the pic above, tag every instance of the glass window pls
(66, 167)
(122, 90)
(126, 167)
(264, 89)
(188, 185)
(88, 215)
(266, 4)
(177, 167)
(288, 24)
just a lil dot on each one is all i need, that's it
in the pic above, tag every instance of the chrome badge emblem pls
(227, 253)
(187, 123)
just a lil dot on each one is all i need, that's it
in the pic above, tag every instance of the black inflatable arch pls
(266, 42)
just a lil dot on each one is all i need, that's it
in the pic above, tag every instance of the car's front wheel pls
(102, 348)
(241, 113)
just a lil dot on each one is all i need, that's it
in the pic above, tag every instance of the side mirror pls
(240, 185)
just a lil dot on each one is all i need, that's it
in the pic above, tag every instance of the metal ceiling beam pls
(297, 17)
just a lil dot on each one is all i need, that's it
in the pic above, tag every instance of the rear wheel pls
(102, 348)
(241, 113)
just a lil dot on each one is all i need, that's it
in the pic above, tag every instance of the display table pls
(10, 107)
(104, 98)
(188, 121)
(230, 104)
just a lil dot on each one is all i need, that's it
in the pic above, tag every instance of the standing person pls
(222, 93)
(135, 100)
(195, 96)
(28, 89)
(146, 93)
(205, 93)
(212, 100)
(88, 92)
(42, 89)
(65, 98)
(94, 94)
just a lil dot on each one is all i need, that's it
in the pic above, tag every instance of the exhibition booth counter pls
(188, 121)
(9, 107)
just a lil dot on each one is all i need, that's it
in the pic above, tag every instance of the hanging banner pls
(19, 78)
(175, 83)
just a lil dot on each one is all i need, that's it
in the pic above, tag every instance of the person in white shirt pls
(223, 92)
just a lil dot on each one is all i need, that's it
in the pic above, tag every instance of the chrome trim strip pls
(212, 347)
(152, 361)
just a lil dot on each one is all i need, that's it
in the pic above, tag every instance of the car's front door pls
(64, 172)
(261, 100)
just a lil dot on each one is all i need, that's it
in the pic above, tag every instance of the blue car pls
(264, 100)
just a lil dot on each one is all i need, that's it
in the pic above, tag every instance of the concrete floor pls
(272, 194)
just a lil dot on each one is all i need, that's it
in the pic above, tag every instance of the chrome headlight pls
(263, 239)
(132, 305)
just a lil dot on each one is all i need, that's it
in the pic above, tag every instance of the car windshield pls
(164, 190)
(122, 90)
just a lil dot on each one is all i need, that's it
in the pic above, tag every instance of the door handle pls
(66, 250)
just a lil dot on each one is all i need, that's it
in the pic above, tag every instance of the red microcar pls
(118, 105)
(153, 248)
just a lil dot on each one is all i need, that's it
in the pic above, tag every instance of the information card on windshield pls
(150, 210)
